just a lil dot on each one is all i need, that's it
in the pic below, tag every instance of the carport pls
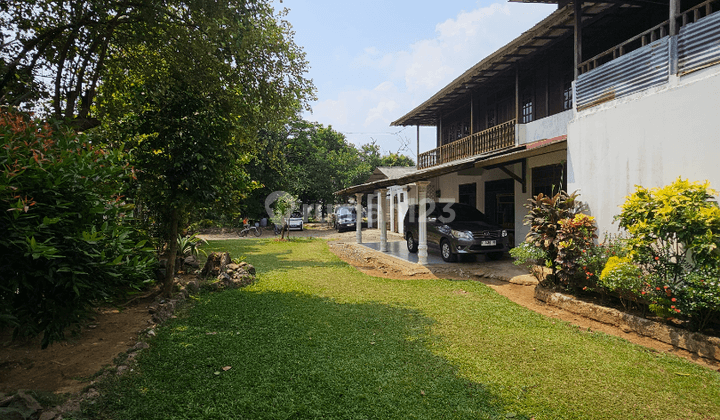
(420, 179)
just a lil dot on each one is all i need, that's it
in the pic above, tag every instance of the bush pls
(67, 241)
(593, 261)
(530, 256)
(674, 237)
(575, 237)
(544, 216)
(622, 277)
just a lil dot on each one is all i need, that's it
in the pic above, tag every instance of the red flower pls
(657, 288)
(674, 300)
(643, 292)
(657, 258)
(677, 310)
(672, 306)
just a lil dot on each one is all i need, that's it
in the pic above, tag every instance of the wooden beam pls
(577, 4)
(521, 179)
(517, 94)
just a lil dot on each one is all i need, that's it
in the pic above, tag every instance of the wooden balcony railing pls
(495, 138)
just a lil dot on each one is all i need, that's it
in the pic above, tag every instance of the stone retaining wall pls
(708, 347)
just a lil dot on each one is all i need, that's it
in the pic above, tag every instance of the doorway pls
(500, 204)
(467, 194)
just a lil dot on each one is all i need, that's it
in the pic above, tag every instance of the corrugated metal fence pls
(699, 44)
(641, 69)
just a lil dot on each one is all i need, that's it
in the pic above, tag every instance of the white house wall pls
(648, 139)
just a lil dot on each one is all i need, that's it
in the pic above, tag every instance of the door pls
(500, 204)
(467, 194)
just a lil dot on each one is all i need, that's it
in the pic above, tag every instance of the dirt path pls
(65, 367)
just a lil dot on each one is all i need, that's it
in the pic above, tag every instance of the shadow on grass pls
(293, 355)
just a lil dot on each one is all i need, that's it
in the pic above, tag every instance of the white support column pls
(393, 194)
(370, 206)
(358, 217)
(422, 222)
(382, 193)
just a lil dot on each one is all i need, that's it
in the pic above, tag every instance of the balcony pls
(650, 58)
(495, 138)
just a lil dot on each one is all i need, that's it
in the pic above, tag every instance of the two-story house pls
(597, 97)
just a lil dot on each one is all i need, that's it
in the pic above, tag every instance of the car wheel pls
(446, 251)
(412, 246)
(495, 255)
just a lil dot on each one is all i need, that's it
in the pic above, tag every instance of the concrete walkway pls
(398, 249)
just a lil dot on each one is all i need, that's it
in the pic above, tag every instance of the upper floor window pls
(567, 95)
(527, 107)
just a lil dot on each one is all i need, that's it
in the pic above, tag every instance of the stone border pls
(702, 345)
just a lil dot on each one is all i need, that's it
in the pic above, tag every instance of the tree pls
(396, 159)
(189, 98)
(56, 51)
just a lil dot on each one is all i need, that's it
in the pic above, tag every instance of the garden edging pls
(702, 345)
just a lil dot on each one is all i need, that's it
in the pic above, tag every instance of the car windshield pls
(296, 216)
(459, 213)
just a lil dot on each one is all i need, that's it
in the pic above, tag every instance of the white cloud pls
(406, 78)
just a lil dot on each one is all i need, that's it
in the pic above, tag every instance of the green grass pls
(315, 338)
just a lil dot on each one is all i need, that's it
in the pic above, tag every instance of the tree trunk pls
(285, 228)
(172, 254)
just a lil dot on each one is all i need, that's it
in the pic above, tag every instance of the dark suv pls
(454, 229)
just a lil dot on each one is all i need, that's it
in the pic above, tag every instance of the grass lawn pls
(315, 338)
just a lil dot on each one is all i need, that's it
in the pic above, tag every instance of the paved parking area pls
(398, 249)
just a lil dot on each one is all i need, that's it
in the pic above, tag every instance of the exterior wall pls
(544, 128)
(649, 139)
(398, 191)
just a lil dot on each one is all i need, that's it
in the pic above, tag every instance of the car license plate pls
(488, 243)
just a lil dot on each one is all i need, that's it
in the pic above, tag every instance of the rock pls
(192, 261)
(192, 287)
(216, 264)
(19, 406)
(28, 401)
(6, 400)
(7, 413)
(140, 345)
(48, 415)
(151, 333)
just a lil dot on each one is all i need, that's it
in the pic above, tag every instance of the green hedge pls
(67, 240)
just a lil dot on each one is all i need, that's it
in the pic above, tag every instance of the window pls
(549, 179)
(527, 107)
(567, 95)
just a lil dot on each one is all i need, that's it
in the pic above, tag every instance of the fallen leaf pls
(211, 333)
(226, 368)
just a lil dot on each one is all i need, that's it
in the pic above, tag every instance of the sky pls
(373, 61)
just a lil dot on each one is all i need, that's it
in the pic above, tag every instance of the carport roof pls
(500, 158)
